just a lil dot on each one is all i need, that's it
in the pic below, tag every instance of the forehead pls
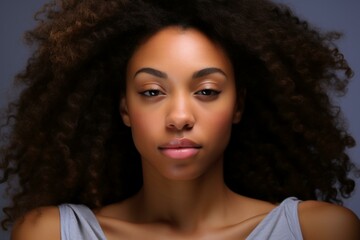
(180, 46)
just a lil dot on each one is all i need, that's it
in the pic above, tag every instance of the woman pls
(179, 120)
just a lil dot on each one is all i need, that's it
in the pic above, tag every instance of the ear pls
(237, 116)
(239, 108)
(124, 112)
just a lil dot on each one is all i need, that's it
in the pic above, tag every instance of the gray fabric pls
(282, 223)
(79, 223)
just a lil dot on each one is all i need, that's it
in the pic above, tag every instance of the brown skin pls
(67, 139)
(322, 221)
(41, 223)
(318, 221)
(177, 200)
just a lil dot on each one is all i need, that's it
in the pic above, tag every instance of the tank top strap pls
(79, 222)
(282, 223)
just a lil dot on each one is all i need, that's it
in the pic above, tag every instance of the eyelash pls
(208, 92)
(151, 93)
(203, 92)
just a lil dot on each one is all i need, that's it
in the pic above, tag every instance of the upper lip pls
(180, 143)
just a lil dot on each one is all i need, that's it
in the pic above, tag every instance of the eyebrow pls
(151, 71)
(207, 71)
(198, 74)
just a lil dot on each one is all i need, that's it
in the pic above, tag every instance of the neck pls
(187, 204)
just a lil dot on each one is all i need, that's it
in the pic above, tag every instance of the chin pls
(184, 175)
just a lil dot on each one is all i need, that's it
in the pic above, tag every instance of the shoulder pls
(321, 220)
(40, 223)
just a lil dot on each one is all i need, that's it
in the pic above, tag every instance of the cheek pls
(219, 125)
(221, 114)
(223, 120)
(144, 127)
(141, 118)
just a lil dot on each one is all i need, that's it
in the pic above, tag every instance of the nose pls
(180, 114)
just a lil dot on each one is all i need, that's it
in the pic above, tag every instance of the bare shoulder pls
(320, 220)
(40, 223)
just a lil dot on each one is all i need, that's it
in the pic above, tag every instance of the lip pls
(180, 143)
(180, 148)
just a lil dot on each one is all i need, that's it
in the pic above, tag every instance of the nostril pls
(180, 125)
(180, 117)
(188, 126)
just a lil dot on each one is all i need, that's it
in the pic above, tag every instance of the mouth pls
(180, 148)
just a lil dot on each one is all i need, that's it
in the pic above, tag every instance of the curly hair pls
(65, 142)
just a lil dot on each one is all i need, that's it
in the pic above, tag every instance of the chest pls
(120, 230)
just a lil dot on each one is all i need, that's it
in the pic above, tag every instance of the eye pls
(151, 93)
(208, 92)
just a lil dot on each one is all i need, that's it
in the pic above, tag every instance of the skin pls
(170, 96)
(194, 98)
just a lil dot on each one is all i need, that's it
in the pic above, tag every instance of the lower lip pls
(180, 153)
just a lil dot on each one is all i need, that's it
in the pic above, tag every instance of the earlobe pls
(124, 112)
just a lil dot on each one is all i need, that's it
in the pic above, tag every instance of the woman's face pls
(180, 103)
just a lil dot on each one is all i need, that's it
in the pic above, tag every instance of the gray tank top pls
(79, 223)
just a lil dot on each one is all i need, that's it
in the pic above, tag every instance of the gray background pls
(16, 16)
